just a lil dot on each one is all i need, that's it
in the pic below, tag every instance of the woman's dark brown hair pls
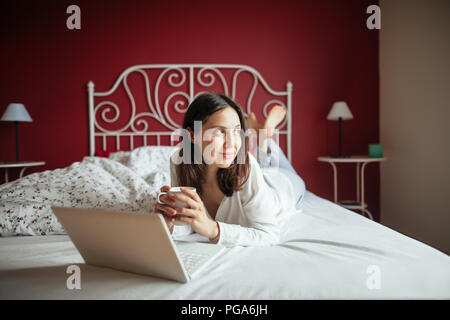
(193, 174)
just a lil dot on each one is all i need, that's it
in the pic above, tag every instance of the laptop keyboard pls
(191, 260)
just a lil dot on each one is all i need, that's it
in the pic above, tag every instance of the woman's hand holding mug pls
(192, 211)
(165, 206)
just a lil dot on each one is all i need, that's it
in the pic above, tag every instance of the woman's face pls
(221, 138)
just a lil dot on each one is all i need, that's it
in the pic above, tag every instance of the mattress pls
(326, 252)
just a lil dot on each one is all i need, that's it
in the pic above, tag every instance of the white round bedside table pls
(361, 162)
(19, 164)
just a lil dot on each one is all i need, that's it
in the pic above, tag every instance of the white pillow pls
(146, 160)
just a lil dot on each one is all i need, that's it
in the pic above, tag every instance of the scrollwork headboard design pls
(159, 96)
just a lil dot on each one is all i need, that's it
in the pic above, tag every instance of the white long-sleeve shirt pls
(251, 216)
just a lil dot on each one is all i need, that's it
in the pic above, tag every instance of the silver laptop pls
(134, 242)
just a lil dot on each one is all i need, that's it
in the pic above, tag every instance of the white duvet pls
(127, 181)
(326, 251)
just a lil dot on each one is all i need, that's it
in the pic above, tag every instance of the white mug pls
(178, 203)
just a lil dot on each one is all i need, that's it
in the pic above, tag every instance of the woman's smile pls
(227, 154)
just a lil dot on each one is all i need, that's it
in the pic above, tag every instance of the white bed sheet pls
(326, 252)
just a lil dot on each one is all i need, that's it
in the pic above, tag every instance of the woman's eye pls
(218, 132)
(222, 132)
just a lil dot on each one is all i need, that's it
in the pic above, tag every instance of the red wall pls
(323, 47)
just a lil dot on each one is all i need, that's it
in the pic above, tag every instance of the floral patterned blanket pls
(126, 181)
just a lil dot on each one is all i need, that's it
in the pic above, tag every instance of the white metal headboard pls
(196, 75)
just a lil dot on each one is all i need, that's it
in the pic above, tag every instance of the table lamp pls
(16, 112)
(340, 111)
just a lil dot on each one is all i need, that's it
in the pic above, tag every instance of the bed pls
(326, 251)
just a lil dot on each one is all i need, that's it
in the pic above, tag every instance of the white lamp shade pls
(16, 112)
(340, 110)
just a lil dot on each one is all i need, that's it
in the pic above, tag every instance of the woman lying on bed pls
(235, 202)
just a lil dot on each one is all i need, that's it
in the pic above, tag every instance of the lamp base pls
(17, 140)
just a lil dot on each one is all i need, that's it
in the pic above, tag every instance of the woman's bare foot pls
(276, 115)
(265, 132)
(252, 122)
